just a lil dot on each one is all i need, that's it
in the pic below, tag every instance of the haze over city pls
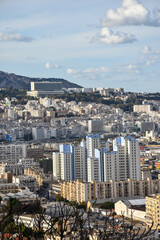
(94, 43)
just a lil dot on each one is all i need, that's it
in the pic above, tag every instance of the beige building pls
(143, 108)
(9, 188)
(36, 174)
(84, 191)
(134, 208)
(153, 211)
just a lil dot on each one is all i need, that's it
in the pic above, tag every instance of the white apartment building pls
(62, 166)
(38, 133)
(111, 166)
(11, 153)
(25, 181)
(56, 166)
(89, 162)
(94, 169)
(79, 162)
(95, 126)
(26, 162)
(16, 169)
(129, 158)
(66, 166)
(93, 142)
(143, 108)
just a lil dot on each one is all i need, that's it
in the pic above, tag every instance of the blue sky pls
(94, 43)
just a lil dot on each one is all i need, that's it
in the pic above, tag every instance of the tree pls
(107, 205)
(59, 198)
(69, 222)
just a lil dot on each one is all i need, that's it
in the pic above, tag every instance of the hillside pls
(19, 82)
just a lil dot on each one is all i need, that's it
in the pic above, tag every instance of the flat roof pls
(137, 202)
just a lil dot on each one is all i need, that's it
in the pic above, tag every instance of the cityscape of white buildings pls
(82, 150)
(100, 164)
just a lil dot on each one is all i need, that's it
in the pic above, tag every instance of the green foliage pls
(59, 198)
(107, 205)
(21, 95)
(96, 97)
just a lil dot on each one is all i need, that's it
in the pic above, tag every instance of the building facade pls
(153, 211)
(84, 191)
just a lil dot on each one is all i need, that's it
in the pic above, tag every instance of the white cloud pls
(129, 68)
(132, 12)
(48, 65)
(109, 37)
(14, 36)
(88, 73)
(146, 50)
(150, 56)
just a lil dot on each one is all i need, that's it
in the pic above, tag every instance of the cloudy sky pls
(94, 43)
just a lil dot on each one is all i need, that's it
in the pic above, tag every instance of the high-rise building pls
(79, 162)
(66, 166)
(91, 162)
(56, 166)
(129, 158)
(42, 89)
(69, 157)
(11, 153)
(94, 169)
(92, 142)
(84, 191)
(95, 126)
(109, 163)
(62, 166)
(111, 166)
(153, 211)
(142, 108)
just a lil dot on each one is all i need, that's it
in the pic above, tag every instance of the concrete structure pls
(24, 196)
(143, 108)
(153, 211)
(9, 188)
(149, 126)
(25, 181)
(70, 163)
(92, 142)
(38, 133)
(84, 191)
(111, 166)
(129, 158)
(35, 152)
(16, 169)
(91, 162)
(11, 153)
(79, 162)
(95, 126)
(42, 89)
(94, 169)
(134, 209)
(62, 166)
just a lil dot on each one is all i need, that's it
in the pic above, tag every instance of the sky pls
(94, 43)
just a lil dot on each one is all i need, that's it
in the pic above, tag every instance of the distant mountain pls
(17, 81)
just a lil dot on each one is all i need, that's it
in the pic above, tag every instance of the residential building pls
(92, 142)
(11, 153)
(83, 191)
(143, 108)
(153, 211)
(94, 169)
(133, 208)
(129, 158)
(43, 89)
(95, 126)
(25, 181)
